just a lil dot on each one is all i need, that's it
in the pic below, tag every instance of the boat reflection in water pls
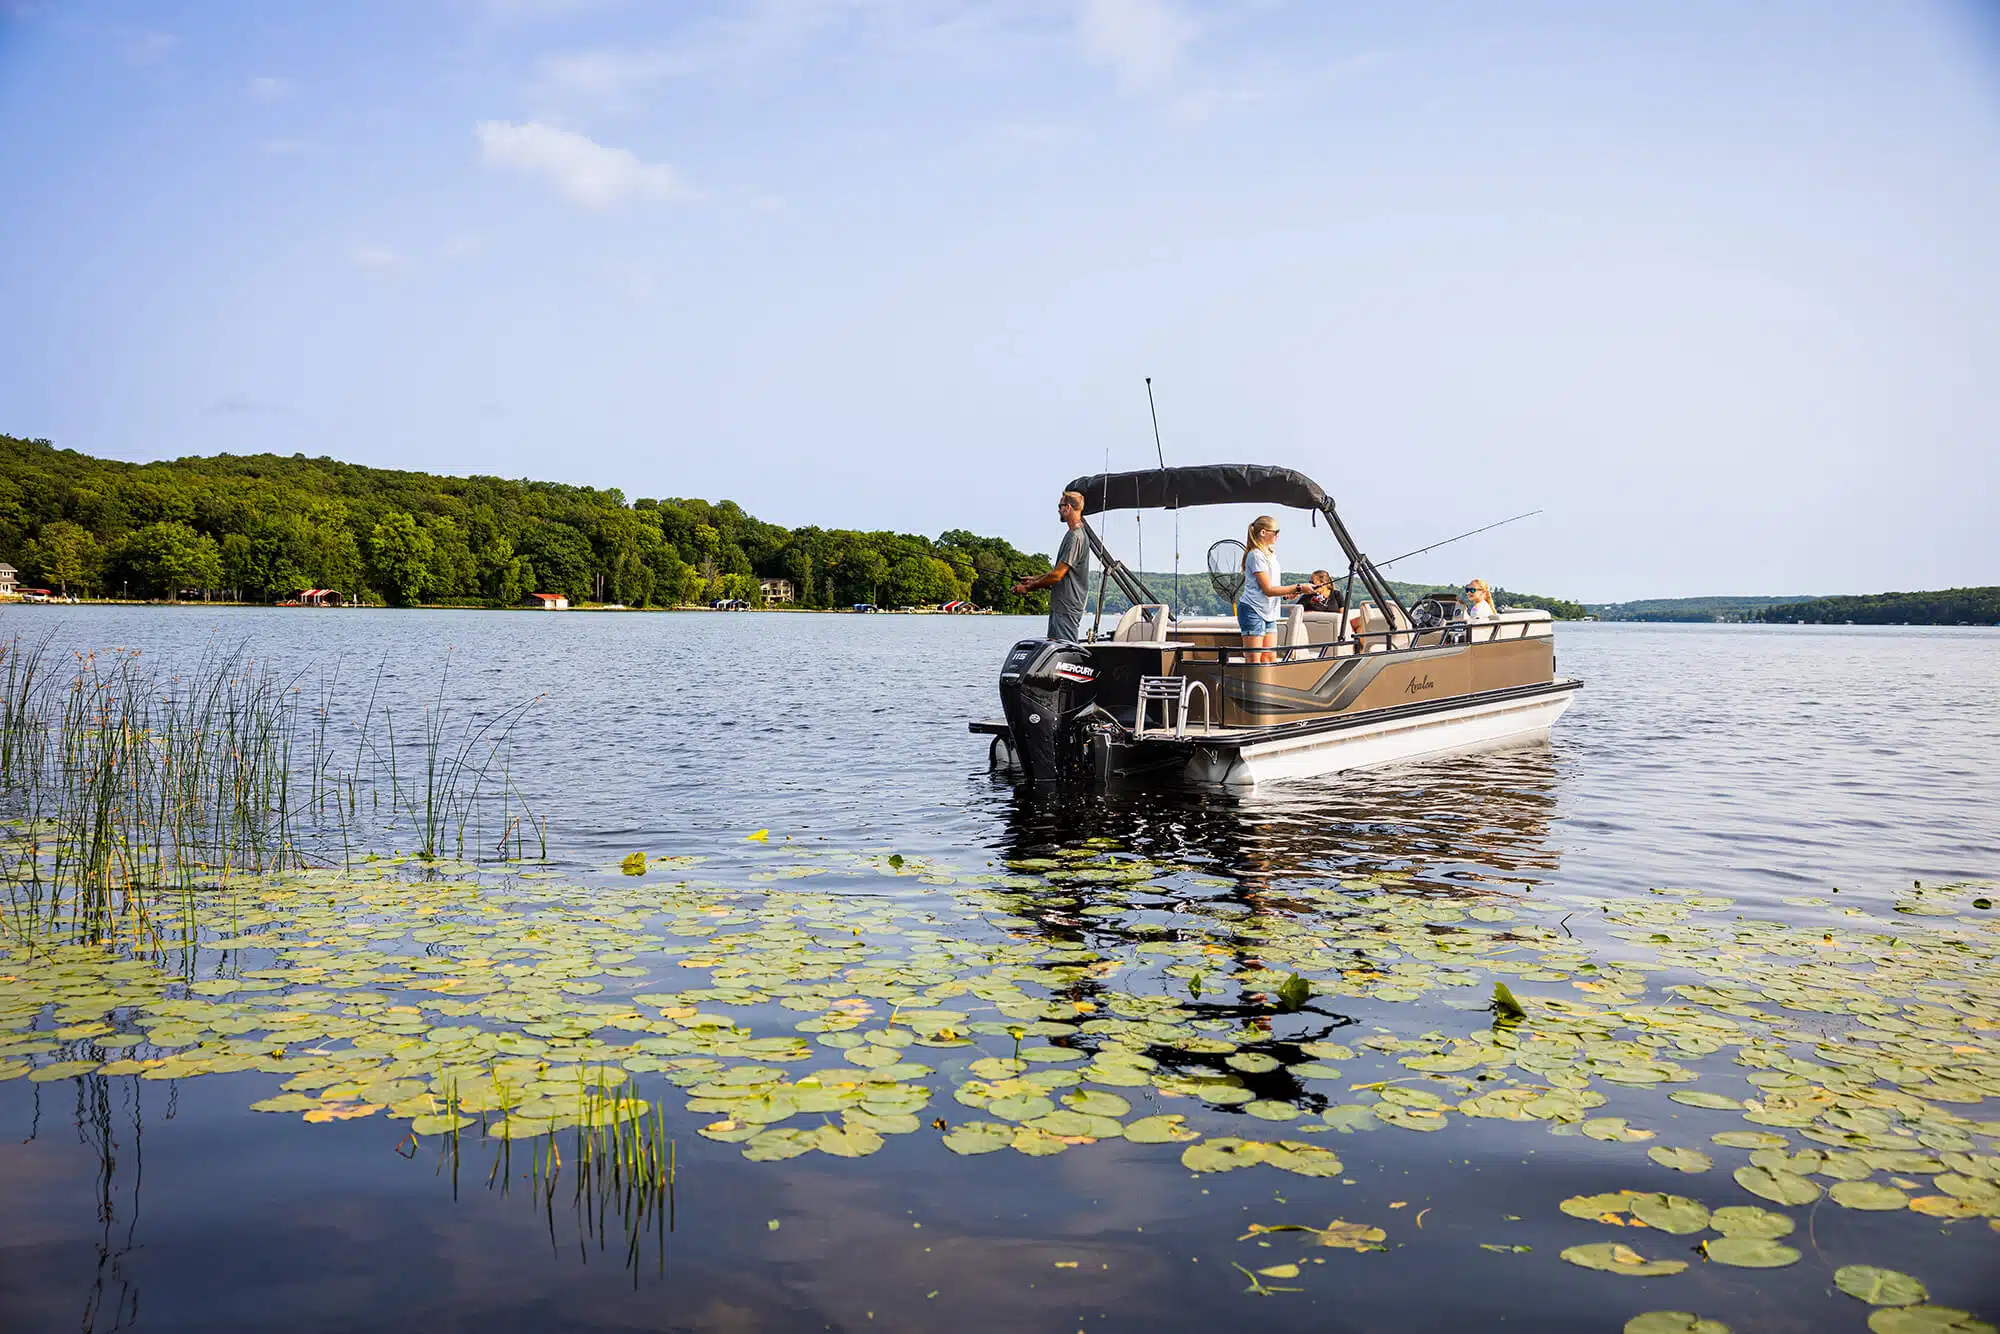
(1433, 822)
(1242, 873)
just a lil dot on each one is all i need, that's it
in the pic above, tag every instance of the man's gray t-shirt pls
(1067, 598)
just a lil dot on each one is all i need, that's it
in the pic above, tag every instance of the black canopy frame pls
(1219, 484)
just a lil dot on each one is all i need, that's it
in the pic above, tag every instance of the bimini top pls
(1209, 484)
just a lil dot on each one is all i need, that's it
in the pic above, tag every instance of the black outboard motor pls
(1045, 685)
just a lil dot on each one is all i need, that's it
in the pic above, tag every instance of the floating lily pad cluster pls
(1056, 1002)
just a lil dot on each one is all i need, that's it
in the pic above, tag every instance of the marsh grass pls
(125, 780)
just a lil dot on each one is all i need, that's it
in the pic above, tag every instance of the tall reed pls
(123, 781)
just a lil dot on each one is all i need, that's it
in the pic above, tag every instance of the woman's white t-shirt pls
(1254, 596)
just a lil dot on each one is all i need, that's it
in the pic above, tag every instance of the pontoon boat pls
(1164, 696)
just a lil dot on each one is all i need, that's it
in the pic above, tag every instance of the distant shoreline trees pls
(1949, 606)
(262, 528)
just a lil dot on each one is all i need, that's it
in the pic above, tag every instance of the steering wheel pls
(1427, 614)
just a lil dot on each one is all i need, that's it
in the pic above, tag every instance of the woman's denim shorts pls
(1251, 621)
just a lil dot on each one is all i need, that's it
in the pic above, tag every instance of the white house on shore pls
(9, 578)
(777, 592)
(547, 601)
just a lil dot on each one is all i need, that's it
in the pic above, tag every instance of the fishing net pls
(1225, 569)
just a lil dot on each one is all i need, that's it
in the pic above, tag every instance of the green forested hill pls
(1950, 606)
(262, 527)
(1718, 608)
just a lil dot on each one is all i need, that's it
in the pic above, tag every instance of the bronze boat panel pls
(1268, 694)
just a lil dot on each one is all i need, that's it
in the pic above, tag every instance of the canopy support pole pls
(1128, 583)
(1378, 587)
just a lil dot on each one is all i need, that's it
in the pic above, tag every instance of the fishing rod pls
(1161, 454)
(1385, 564)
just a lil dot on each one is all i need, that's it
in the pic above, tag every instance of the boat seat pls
(1147, 622)
(1373, 624)
(1324, 627)
(1291, 632)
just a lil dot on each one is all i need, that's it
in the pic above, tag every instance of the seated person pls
(1321, 595)
(1478, 601)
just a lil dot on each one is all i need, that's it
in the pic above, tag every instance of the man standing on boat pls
(1069, 581)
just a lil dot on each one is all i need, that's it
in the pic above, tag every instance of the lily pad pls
(1681, 1160)
(1614, 1257)
(1880, 1287)
(1867, 1195)
(1095, 1102)
(1171, 1129)
(1747, 1220)
(1674, 1214)
(1673, 1322)
(1596, 1206)
(1780, 1187)
(979, 1137)
(1926, 1320)
(1222, 1155)
(1702, 1098)
(1749, 1252)
(1349, 1117)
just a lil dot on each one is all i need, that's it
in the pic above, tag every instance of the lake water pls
(1763, 769)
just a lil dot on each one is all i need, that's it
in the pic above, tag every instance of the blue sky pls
(1718, 285)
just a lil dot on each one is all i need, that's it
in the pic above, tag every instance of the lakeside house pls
(547, 601)
(778, 592)
(9, 577)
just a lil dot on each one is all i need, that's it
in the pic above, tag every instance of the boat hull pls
(1380, 737)
(1395, 737)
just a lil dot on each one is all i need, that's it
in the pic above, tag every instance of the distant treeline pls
(263, 528)
(1950, 606)
(1690, 609)
(1197, 596)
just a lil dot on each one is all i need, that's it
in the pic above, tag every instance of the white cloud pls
(379, 260)
(461, 247)
(1140, 40)
(268, 88)
(582, 170)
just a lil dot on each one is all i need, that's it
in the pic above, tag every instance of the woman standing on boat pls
(1259, 607)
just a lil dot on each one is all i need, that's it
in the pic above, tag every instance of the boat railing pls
(1371, 641)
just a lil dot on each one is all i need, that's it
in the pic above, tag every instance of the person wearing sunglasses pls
(1478, 601)
(1258, 608)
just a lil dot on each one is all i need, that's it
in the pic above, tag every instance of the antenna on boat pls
(1154, 409)
(1385, 564)
(1161, 454)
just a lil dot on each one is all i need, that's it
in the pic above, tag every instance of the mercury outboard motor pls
(1045, 685)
